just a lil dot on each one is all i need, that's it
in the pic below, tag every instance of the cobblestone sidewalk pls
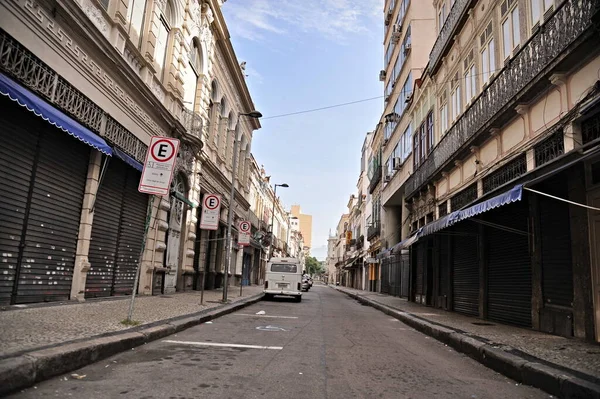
(573, 354)
(30, 328)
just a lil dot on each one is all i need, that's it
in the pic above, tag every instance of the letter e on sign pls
(159, 166)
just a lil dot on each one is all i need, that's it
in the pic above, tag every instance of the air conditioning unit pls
(408, 99)
(388, 179)
(397, 163)
(388, 17)
(382, 75)
(396, 37)
(385, 141)
(407, 48)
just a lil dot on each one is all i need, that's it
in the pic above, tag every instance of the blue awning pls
(508, 197)
(513, 195)
(127, 159)
(39, 107)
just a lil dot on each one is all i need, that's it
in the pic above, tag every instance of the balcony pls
(253, 219)
(373, 230)
(452, 25)
(375, 179)
(517, 82)
(192, 122)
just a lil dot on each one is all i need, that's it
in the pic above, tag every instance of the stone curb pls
(550, 379)
(26, 369)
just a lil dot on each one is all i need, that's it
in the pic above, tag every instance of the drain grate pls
(483, 324)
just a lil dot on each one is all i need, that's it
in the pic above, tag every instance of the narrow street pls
(327, 346)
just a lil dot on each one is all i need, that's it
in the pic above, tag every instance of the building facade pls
(505, 138)
(305, 226)
(100, 78)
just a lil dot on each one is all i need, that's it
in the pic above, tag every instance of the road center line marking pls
(265, 315)
(220, 345)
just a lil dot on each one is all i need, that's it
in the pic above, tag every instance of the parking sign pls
(244, 228)
(211, 212)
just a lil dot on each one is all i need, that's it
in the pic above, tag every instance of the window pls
(430, 132)
(470, 77)
(191, 77)
(135, 16)
(511, 36)
(406, 143)
(104, 3)
(537, 6)
(162, 38)
(284, 268)
(488, 54)
(443, 118)
(388, 54)
(416, 149)
(455, 99)
(441, 17)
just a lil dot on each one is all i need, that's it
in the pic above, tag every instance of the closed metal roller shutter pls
(17, 155)
(444, 270)
(465, 282)
(133, 219)
(105, 231)
(420, 248)
(117, 232)
(557, 262)
(509, 266)
(52, 226)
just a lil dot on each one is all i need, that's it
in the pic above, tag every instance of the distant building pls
(305, 225)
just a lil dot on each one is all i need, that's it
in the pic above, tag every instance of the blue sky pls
(302, 55)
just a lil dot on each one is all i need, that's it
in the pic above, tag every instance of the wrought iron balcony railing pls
(31, 72)
(444, 40)
(569, 21)
(192, 122)
(375, 179)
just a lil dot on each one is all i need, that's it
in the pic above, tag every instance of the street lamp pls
(252, 114)
(270, 253)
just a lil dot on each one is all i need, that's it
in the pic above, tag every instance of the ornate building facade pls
(86, 84)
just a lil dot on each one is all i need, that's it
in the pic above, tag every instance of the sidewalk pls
(564, 357)
(26, 329)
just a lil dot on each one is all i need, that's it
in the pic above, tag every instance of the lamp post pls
(270, 253)
(255, 115)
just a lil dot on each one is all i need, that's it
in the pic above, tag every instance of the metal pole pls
(230, 218)
(242, 276)
(270, 253)
(137, 271)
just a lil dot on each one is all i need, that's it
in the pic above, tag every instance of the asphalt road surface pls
(327, 346)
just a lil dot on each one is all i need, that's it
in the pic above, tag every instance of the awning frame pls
(42, 109)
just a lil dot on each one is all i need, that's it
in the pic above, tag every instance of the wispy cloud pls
(335, 20)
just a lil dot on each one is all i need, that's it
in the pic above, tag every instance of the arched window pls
(212, 128)
(162, 39)
(191, 75)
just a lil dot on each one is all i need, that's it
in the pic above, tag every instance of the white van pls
(283, 277)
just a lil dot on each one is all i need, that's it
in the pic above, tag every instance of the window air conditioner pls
(397, 163)
(382, 75)
(407, 48)
(396, 37)
(388, 17)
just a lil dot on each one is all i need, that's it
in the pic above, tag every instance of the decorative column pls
(82, 265)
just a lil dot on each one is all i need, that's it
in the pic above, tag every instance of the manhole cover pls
(483, 324)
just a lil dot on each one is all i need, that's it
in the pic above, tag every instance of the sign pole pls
(137, 271)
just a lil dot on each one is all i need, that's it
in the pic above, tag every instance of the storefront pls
(44, 165)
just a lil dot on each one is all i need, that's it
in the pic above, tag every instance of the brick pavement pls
(573, 354)
(29, 328)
